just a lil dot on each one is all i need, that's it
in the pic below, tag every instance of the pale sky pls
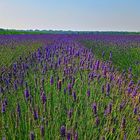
(84, 15)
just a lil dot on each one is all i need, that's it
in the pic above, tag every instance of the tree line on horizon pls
(14, 31)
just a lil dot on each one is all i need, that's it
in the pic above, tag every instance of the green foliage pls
(54, 112)
(122, 57)
(9, 55)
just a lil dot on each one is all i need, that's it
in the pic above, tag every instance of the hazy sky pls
(92, 15)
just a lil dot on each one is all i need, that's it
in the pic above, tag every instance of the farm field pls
(70, 86)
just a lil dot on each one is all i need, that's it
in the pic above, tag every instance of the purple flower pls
(73, 81)
(97, 64)
(42, 82)
(76, 136)
(134, 93)
(129, 90)
(32, 136)
(68, 136)
(65, 90)
(104, 72)
(5, 102)
(94, 108)
(122, 105)
(103, 54)
(59, 61)
(97, 121)
(63, 131)
(112, 69)
(38, 54)
(7, 82)
(107, 89)
(44, 99)
(123, 123)
(18, 110)
(1, 90)
(51, 80)
(130, 69)
(131, 83)
(109, 108)
(35, 115)
(88, 93)
(135, 110)
(70, 113)
(3, 108)
(26, 94)
(15, 85)
(74, 95)
(125, 138)
(42, 129)
(98, 77)
(111, 77)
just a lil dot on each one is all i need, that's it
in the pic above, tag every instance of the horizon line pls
(68, 30)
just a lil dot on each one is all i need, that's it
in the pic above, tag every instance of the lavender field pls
(73, 87)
